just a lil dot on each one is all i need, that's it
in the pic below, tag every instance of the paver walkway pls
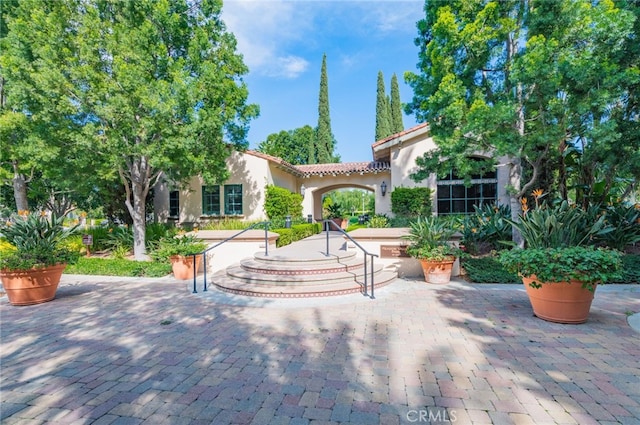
(147, 351)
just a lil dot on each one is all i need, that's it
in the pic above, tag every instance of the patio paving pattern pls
(148, 351)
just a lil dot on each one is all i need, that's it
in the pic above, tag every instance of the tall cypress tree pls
(396, 107)
(383, 129)
(324, 139)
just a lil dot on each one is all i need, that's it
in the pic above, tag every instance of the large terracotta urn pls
(560, 302)
(32, 286)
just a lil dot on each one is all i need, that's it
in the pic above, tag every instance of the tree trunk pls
(20, 189)
(515, 176)
(137, 187)
(139, 223)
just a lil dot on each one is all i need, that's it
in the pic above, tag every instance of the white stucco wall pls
(252, 172)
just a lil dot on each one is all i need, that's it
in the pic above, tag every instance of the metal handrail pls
(326, 225)
(204, 256)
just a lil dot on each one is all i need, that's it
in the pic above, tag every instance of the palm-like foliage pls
(561, 226)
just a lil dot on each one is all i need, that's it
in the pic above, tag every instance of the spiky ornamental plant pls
(37, 241)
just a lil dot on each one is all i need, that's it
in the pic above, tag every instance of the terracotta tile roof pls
(402, 133)
(324, 169)
(343, 168)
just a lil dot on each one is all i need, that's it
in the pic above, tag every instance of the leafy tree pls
(29, 134)
(383, 120)
(325, 142)
(396, 107)
(156, 85)
(292, 145)
(529, 80)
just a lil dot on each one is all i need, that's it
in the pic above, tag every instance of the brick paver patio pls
(147, 351)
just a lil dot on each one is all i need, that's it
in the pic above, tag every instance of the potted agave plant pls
(32, 264)
(559, 265)
(430, 242)
(179, 251)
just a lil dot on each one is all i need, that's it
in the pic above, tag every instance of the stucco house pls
(242, 195)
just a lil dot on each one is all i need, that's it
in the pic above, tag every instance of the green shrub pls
(280, 202)
(630, 272)
(100, 237)
(411, 202)
(118, 267)
(295, 233)
(560, 225)
(228, 224)
(487, 229)
(488, 270)
(119, 237)
(74, 243)
(399, 221)
(586, 264)
(156, 231)
(182, 245)
(285, 237)
(625, 220)
(378, 221)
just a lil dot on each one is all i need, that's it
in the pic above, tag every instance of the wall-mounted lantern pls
(302, 189)
(383, 188)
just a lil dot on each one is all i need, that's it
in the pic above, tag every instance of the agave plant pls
(429, 239)
(37, 241)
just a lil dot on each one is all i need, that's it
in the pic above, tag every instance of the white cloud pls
(265, 30)
(270, 32)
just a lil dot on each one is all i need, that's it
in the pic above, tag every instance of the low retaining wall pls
(389, 245)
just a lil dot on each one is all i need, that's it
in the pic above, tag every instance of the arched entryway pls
(320, 179)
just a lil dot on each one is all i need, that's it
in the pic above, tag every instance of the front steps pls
(302, 270)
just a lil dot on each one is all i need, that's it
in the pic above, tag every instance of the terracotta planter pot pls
(183, 266)
(339, 222)
(560, 302)
(437, 271)
(33, 286)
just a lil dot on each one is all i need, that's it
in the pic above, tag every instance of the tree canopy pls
(152, 89)
(550, 84)
(292, 145)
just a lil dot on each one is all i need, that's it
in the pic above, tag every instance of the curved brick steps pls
(301, 289)
(302, 270)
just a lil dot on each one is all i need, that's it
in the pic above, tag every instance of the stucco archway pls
(317, 181)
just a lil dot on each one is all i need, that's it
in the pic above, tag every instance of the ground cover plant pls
(119, 267)
(487, 270)
(630, 272)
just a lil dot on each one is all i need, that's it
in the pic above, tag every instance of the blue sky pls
(283, 43)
